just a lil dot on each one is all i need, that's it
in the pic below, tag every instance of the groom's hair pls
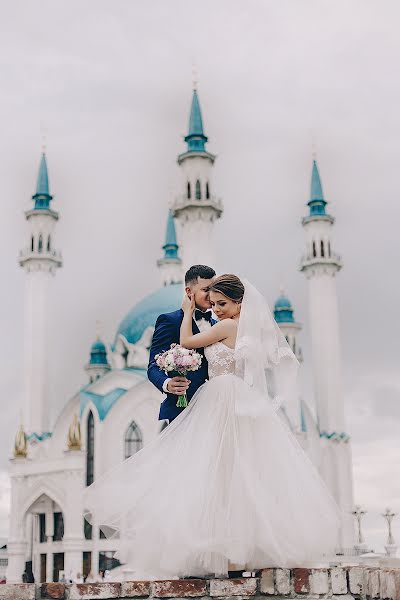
(196, 271)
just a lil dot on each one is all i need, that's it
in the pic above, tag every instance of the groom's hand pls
(178, 385)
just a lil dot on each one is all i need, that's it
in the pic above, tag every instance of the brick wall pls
(339, 583)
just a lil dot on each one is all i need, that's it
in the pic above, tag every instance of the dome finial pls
(74, 434)
(98, 329)
(21, 443)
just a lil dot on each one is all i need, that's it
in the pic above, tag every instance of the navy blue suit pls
(167, 332)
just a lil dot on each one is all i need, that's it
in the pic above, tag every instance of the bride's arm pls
(217, 333)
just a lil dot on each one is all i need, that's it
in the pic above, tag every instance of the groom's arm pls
(163, 337)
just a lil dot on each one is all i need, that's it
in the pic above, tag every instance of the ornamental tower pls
(98, 364)
(320, 265)
(170, 265)
(196, 208)
(284, 316)
(39, 261)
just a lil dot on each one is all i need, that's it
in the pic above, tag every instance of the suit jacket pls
(167, 332)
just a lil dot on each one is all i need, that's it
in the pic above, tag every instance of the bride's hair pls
(228, 285)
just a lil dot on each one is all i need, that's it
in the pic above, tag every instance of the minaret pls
(284, 316)
(320, 265)
(196, 208)
(39, 261)
(98, 364)
(170, 265)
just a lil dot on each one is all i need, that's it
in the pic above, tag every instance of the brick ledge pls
(336, 583)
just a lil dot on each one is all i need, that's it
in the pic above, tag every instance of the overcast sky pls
(110, 82)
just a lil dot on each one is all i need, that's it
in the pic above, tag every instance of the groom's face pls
(200, 291)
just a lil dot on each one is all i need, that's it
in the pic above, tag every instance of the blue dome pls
(145, 313)
(283, 311)
(98, 353)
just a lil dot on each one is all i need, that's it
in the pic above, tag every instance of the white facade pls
(117, 411)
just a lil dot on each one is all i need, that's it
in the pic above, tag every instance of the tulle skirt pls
(215, 488)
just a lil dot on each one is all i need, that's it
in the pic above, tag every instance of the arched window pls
(48, 244)
(294, 345)
(207, 191)
(198, 190)
(314, 250)
(90, 450)
(133, 440)
(322, 249)
(329, 249)
(189, 190)
(32, 243)
(40, 244)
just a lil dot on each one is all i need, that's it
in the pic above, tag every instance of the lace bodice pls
(220, 360)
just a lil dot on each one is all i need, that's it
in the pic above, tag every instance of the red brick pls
(53, 590)
(94, 591)
(301, 579)
(135, 589)
(179, 588)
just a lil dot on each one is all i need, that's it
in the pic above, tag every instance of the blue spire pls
(283, 311)
(98, 353)
(196, 139)
(171, 245)
(317, 202)
(42, 196)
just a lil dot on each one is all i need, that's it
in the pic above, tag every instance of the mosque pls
(116, 412)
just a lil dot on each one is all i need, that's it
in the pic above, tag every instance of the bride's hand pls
(188, 304)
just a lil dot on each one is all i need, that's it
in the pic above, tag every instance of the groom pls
(167, 332)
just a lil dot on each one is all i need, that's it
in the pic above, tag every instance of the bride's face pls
(223, 307)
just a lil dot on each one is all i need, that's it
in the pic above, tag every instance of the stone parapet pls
(338, 583)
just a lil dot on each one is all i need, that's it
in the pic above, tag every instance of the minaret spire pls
(40, 261)
(170, 265)
(196, 208)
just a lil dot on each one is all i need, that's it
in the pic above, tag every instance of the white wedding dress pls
(219, 485)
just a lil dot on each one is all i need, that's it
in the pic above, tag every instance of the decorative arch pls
(42, 489)
(32, 243)
(189, 190)
(207, 190)
(198, 190)
(90, 448)
(133, 441)
(48, 243)
(40, 243)
(314, 249)
(322, 249)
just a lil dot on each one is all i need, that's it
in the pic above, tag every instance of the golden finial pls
(313, 148)
(98, 329)
(74, 434)
(20, 444)
(282, 290)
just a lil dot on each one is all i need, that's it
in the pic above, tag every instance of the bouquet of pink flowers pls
(181, 360)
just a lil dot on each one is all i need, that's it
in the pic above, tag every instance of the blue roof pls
(317, 201)
(171, 245)
(196, 139)
(145, 313)
(42, 196)
(283, 311)
(98, 353)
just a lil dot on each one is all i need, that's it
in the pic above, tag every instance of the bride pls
(226, 482)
